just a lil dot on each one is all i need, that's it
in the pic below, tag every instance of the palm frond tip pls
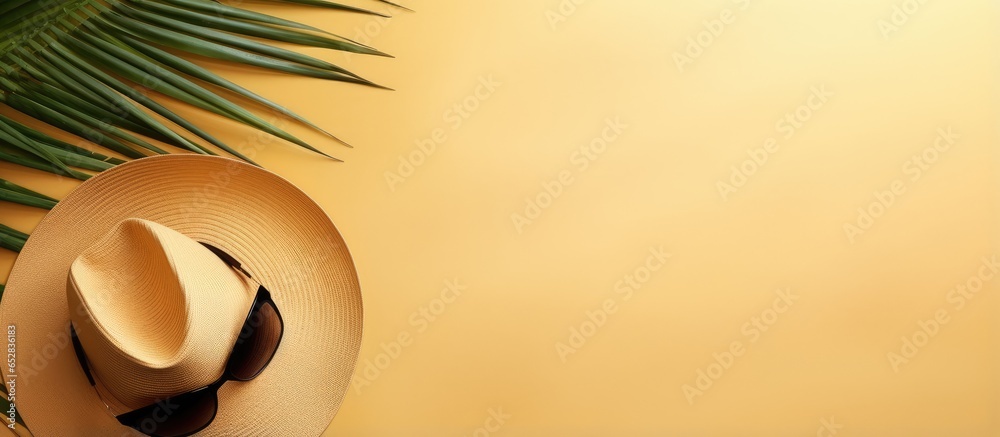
(84, 66)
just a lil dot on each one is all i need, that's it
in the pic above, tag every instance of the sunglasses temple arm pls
(228, 259)
(244, 272)
(78, 348)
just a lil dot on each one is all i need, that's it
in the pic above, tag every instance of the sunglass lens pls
(174, 417)
(257, 343)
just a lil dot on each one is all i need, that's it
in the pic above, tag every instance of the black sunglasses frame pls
(135, 418)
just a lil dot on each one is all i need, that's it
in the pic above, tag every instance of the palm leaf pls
(73, 64)
(13, 232)
(10, 242)
(38, 164)
(10, 186)
(331, 5)
(102, 70)
(25, 199)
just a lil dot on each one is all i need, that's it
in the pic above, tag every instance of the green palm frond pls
(10, 242)
(102, 70)
(11, 238)
(10, 186)
(24, 199)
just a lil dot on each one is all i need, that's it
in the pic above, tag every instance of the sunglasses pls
(188, 413)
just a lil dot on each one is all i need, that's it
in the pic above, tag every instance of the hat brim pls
(279, 234)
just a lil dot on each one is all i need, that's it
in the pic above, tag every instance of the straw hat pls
(157, 313)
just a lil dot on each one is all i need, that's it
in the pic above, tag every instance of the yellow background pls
(494, 347)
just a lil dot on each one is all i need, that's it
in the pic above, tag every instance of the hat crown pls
(157, 313)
